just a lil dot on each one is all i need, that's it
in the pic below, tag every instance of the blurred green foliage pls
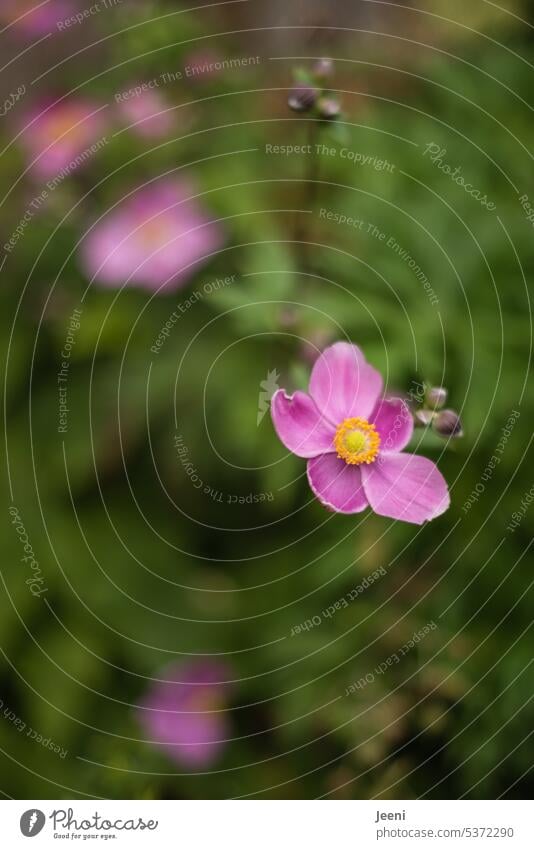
(142, 568)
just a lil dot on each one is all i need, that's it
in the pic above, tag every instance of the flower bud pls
(447, 423)
(302, 98)
(323, 69)
(328, 108)
(424, 417)
(436, 397)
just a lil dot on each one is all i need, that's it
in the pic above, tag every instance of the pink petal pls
(406, 487)
(343, 384)
(336, 484)
(394, 422)
(300, 425)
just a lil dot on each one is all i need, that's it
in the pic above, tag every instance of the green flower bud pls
(323, 69)
(328, 108)
(447, 423)
(302, 98)
(436, 397)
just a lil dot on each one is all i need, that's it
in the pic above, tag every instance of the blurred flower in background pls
(186, 713)
(33, 17)
(147, 115)
(155, 238)
(59, 135)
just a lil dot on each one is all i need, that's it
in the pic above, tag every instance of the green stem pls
(309, 198)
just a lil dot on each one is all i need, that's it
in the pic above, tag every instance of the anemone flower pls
(155, 238)
(353, 440)
(60, 137)
(186, 713)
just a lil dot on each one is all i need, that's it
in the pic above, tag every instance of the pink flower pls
(59, 136)
(186, 713)
(353, 441)
(36, 17)
(155, 238)
(147, 114)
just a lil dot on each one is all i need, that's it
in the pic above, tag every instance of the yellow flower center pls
(356, 441)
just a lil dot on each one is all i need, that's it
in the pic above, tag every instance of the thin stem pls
(309, 197)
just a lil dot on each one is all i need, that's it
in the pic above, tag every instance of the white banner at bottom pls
(267, 824)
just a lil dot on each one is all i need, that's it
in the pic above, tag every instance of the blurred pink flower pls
(186, 713)
(155, 238)
(353, 439)
(60, 135)
(147, 115)
(35, 17)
